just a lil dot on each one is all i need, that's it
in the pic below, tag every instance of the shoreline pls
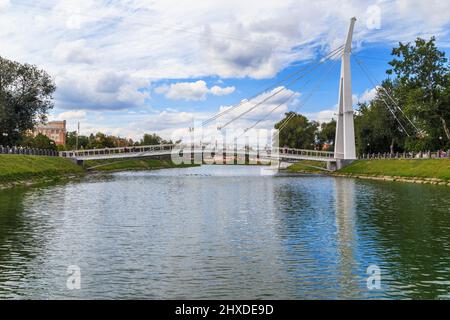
(38, 181)
(416, 180)
(24, 171)
(422, 171)
(29, 171)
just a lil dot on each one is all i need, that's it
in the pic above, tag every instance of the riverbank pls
(422, 171)
(26, 170)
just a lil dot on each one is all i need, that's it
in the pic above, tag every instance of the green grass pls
(308, 166)
(23, 167)
(420, 168)
(130, 164)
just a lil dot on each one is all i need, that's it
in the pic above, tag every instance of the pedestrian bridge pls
(187, 152)
(344, 148)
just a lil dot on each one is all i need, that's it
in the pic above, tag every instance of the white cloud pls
(367, 95)
(74, 52)
(4, 4)
(219, 91)
(71, 115)
(192, 90)
(224, 38)
(323, 116)
(99, 90)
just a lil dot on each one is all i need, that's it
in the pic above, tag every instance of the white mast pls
(344, 146)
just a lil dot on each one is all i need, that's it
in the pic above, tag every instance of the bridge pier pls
(338, 164)
(78, 161)
(284, 165)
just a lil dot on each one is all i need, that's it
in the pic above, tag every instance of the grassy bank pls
(404, 170)
(24, 169)
(308, 166)
(407, 168)
(130, 164)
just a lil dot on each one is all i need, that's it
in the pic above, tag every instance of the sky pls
(131, 67)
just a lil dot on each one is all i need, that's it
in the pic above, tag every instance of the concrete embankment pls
(420, 171)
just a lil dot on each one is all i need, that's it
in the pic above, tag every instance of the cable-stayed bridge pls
(344, 142)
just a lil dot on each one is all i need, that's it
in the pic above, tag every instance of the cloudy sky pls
(126, 67)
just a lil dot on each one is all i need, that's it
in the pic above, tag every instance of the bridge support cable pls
(374, 82)
(292, 115)
(278, 83)
(311, 93)
(384, 100)
(337, 53)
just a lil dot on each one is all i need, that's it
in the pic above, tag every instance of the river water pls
(230, 232)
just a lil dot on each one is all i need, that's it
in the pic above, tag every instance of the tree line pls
(101, 140)
(410, 111)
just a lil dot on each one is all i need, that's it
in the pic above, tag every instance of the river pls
(228, 232)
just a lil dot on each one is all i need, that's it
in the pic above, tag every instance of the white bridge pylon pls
(344, 146)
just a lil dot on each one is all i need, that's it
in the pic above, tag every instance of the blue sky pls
(136, 66)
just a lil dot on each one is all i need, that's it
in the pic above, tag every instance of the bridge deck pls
(283, 154)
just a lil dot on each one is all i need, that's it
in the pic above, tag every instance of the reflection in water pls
(410, 225)
(345, 219)
(225, 232)
(20, 231)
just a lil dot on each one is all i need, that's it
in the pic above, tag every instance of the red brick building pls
(54, 130)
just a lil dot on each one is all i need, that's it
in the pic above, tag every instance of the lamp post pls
(78, 133)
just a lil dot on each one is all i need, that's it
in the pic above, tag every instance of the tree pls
(101, 140)
(152, 139)
(422, 75)
(25, 99)
(299, 132)
(71, 141)
(39, 142)
(379, 126)
(327, 134)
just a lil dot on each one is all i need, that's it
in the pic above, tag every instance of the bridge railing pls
(407, 155)
(216, 149)
(112, 151)
(28, 151)
(307, 153)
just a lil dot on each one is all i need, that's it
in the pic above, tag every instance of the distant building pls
(54, 130)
